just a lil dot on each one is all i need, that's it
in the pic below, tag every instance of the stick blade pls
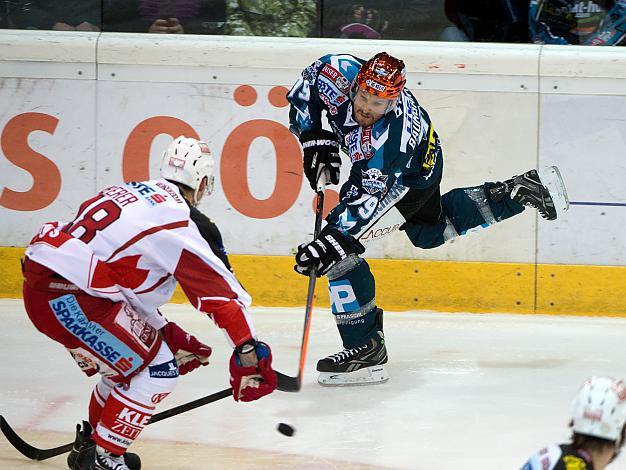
(26, 449)
(287, 383)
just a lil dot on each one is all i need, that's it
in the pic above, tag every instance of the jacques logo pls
(167, 370)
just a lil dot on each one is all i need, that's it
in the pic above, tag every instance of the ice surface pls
(466, 391)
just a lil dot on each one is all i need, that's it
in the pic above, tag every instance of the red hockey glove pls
(189, 352)
(252, 381)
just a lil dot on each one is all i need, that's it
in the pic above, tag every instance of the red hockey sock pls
(99, 396)
(121, 422)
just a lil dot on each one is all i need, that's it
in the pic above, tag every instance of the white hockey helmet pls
(600, 408)
(188, 161)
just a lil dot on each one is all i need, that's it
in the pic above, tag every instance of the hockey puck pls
(285, 429)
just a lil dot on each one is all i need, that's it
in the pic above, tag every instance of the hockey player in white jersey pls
(95, 285)
(598, 427)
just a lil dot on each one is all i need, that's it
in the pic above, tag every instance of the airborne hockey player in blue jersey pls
(598, 430)
(397, 162)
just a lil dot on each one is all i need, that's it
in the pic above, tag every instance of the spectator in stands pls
(355, 20)
(364, 22)
(165, 16)
(391, 19)
(487, 20)
(594, 22)
(295, 18)
(67, 15)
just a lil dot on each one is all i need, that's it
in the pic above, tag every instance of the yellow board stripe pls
(445, 286)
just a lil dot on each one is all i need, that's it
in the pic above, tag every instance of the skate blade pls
(551, 178)
(366, 376)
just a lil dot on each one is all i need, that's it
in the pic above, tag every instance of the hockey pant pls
(352, 296)
(432, 219)
(138, 369)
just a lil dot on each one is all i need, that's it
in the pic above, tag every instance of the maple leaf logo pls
(123, 272)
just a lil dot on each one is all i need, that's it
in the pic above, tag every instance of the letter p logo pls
(342, 297)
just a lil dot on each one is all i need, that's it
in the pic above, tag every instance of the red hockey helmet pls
(383, 75)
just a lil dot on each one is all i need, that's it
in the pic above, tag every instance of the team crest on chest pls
(374, 181)
(359, 143)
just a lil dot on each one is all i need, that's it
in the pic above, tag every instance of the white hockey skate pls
(543, 191)
(362, 365)
(553, 181)
(365, 376)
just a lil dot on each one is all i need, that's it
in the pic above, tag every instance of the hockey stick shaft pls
(284, 385)
(33, 453)
(319, 211)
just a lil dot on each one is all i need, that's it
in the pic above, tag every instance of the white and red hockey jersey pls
(133, 241)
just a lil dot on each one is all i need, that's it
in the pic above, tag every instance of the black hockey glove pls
(325, 251)
(321, 151)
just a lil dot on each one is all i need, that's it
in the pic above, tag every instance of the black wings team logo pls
(374, 181)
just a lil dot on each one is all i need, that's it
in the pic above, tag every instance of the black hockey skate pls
(357, 366)
(83, 453)
(545, 192)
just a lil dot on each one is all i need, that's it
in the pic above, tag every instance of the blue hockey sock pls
(352, 295)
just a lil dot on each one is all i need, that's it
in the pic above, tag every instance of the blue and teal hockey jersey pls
(402, 148)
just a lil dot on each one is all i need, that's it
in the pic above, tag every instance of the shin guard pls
(99, 396)
(352, 295)
(129, 407)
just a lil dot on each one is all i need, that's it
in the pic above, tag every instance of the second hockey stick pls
(34, 453)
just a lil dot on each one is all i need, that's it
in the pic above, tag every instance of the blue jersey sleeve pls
(305, 110)
(322, 86)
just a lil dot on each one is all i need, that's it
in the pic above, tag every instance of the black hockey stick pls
(296, 383)
(33, 453)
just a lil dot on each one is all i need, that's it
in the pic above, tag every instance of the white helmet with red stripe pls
(600, 408)
(188, 161)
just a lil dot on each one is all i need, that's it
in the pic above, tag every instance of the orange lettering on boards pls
(136, 159)
(234, 173)
(46, 176)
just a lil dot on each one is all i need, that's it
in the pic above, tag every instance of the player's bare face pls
(368, 108)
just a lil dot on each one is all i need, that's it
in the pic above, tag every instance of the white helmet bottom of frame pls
(600, 408)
